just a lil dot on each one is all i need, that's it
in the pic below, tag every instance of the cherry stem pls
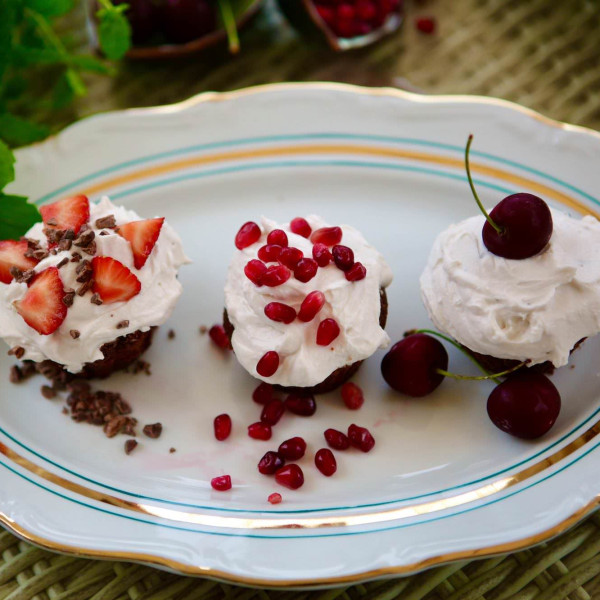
(498, 229)
(459, 347)
(493, 376)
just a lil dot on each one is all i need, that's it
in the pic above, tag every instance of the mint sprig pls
(114, 30)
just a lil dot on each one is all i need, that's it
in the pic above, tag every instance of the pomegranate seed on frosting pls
(300, 226)
(321, 254)
(330, 236)
(255, 271)
(306, 269)
(269, 253)
(279, 237)
(290, 257)
(311, 305)
(248, 234)
(276, 275)
(268, 364)
(343, 257)
(277, 311)
(327, 332)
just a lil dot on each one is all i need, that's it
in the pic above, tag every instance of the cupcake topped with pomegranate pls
(305, 302)
(85, 287)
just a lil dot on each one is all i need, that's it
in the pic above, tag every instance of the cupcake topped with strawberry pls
(88, 281)
(305, 302)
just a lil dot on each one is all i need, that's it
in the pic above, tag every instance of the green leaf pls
(7, 165)
(90, 63)
(17, 131)
(114, 33)
(28, 55)
(62, 94)
(50, 8)
(16, 216)
(7, 28)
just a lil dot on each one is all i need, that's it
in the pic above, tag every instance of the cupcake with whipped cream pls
(507, 311)
(305, 302)
(83, 291)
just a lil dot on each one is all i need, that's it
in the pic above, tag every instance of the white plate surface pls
(442, 482)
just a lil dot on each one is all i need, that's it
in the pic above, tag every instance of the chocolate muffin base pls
(339, 376)
(118, 355)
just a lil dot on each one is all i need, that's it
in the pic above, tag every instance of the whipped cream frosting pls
(537, 308)
(97, 325)
(354, 305)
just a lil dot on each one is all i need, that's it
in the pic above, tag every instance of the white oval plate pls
(442, 482)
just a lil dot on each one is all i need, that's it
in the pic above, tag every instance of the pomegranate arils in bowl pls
(276, 275)
(343, 257)
(311, 305)
(221, 484)
(260, 431)
(321, 254)
(325, 462)
(255, 271)
(222, 426)
(219, 337)
(272, 412)
(336, 439)
(300, 226)
(352, 396)
(282, 313)
(279, 237)
(292, 449)
(357, 272)
(303, 406)
(327, 332)
(263, 393)
(248, 234)
(330, 236)
(270, 463)
(361, 438)
(290, 476)
(290, 257)
(269, 253)
(268, 364)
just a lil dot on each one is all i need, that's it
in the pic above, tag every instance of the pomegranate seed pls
(345, 28)
(325, 462)
(270, 463)
(426, 25)
(304, 406)
(336, 439)
(311, 305)
(306, 269)
(300, 226)
(263, 393)
(268, 364)
(343, 257)
(269, 253)
(327, 332)
(279, 237)
(275, 498)
(219, 336)
(290, 476)
(346, 11)
(292, 449)
(330, 236)
(282, 313)
(272, 412)
(366, 10)
(352, 396)
(321, 254)
(248, 234)
(290, 257)
(255, 271)
(221, 484)
(361, 438)
(276, 275)
(222, 426)
(260, 431)
(357, 272)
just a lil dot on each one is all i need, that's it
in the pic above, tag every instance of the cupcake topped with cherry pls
(305, 302)
(85, 287)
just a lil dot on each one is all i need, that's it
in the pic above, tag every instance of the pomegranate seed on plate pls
(336, 439)
(343, 257)
(292, 449)
(248, 234)
(276, 275)
(426, 25)
(352, 396)
(303, 406)
(270, 463)
(275, 498)
(361, 438)
(219, 336)
(321, 254)
(263, 393)
(272, 412)
(325, 462)
(255, 271)
(290, 257)
(269, 253)
(327, 332)
(221, 484)
(290, 476)
(311, 305)
(268, 364)
(301, 227)
(222, 426)
(279, 237)
(260, 431)
(306, 269)
(357, 272)
(277, 311)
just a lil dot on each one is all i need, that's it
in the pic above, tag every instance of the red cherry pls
(279, 237)
(410, 367)
(300, 226)
(248, 234)
(327, 332)
(311, 305)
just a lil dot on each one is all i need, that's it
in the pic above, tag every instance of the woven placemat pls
(544, 54)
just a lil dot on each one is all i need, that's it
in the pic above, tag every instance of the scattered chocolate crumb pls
(571, 366)
(65, 410)
(153, 431)
(75, 257)
(69, 234)
(84, 271)
(28, 368)
(74, 333)
(69, 297)
(52, 222)
(83, 228)
(103, 232)
(171, 334)
(85, 239)
(130, 446)
(172, 450)
(123, 324)
(109, 222)
(114, 425)
(203, 329)
(95, 299)
(17, 351)
(65, 244)
(85, 287)
(141, 366)
(54, 251)
(62, 263)
(91, 249)
(40, 254)
(48, 392)
(22, 276)
(16, 375)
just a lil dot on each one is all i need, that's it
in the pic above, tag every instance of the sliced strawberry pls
(42, 307)
(142, 236)
(12, 254)
(113, 281)
(69, 213)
